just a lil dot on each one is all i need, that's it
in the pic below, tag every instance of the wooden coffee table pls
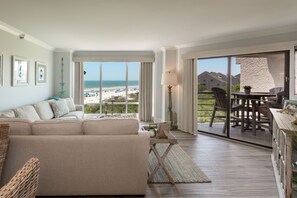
(153, 142)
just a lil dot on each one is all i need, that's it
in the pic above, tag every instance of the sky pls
(111, 70)
(117, 70)
(217, 65)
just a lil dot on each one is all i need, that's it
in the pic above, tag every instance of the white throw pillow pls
(44, 110)
(60, 108)
(27, 112)
(70, 104)
(7, 114)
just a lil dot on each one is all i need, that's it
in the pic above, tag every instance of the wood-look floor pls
(262, 137)
(235, 169)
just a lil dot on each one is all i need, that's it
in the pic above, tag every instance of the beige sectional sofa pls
(81, 157)
(77, 157)
(46, 110)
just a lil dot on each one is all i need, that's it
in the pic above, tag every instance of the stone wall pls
(262, 72)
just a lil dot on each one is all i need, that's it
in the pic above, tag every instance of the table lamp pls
(169, 78)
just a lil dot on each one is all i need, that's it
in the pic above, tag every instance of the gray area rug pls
(179, 164)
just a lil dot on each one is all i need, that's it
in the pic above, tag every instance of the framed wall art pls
(40, 73)
(20, 71)
(1, 70)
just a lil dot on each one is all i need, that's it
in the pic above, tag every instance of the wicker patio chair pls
(4, 140)
(24, 183)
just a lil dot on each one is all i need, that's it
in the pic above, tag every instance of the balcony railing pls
(205, 106)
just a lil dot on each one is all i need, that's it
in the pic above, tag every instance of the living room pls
(172, 36)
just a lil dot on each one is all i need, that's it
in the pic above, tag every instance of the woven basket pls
(24, 183)
(4, 129)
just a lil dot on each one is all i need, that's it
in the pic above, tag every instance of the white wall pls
(11, 97)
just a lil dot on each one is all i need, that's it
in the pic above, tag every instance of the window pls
(111, 87)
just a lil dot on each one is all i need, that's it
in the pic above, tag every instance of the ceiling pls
(144, 24)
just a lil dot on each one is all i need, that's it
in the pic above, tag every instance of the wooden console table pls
(283, 153)
(153, 142)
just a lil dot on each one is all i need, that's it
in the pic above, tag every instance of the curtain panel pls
(78, 83)
(146, 91)
(188, 103)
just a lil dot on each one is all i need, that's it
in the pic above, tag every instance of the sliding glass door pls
(111, 87)
(212, 115)
(246, 115)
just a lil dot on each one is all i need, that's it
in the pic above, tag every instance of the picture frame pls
(40, 73)
(1, 70)
(20, 71)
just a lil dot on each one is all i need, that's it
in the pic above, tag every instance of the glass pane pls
(212, 73)
(114, 87)
(92, 87)
(132, 108)
(264, 73)
(133, 87)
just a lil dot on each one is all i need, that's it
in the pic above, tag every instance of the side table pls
(171, 140)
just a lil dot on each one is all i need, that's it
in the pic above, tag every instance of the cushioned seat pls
(74, 114)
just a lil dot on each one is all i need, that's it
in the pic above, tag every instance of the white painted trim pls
(281, 46)
(281, 193)
(14, 31)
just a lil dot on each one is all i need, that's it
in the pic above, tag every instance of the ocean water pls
(109, 83)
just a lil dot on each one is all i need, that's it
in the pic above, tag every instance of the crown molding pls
(22, 35)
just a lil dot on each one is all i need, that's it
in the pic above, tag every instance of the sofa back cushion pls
(27, 112)
(57, 127)
(7, 114)
(111, 127)
(17, 126)
(44, 110)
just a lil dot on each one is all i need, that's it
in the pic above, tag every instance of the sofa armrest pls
(79, 107)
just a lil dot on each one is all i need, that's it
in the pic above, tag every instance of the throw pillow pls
(60, 108)
(7, 114)
(27, 112)
(70, 104)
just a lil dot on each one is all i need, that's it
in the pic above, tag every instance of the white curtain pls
(78, 83)
(146, 91)
(188, 105)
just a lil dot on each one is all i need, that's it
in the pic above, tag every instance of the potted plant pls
(247, 89)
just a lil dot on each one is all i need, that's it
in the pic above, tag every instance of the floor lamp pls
(169, 78)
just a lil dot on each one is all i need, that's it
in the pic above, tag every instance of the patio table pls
(250, 99)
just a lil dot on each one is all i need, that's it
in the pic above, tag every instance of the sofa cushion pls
(75, 114)
(7, 114)
(17, 126)
(57, 127)
(59, 107)
(111, 127)
(44, 110)
(70, 104)
(27, 112)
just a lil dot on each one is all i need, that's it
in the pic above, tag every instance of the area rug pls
(179, 164)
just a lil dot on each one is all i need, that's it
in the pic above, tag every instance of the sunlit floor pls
(261, 137)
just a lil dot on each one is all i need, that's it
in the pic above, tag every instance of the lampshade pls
(169, 78)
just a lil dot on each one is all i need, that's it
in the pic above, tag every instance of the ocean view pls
(89, 84)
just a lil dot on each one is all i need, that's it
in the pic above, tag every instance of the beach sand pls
(107, 93)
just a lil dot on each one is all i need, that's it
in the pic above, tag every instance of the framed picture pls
(20, 71)
(1, 70)
(40, 73)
